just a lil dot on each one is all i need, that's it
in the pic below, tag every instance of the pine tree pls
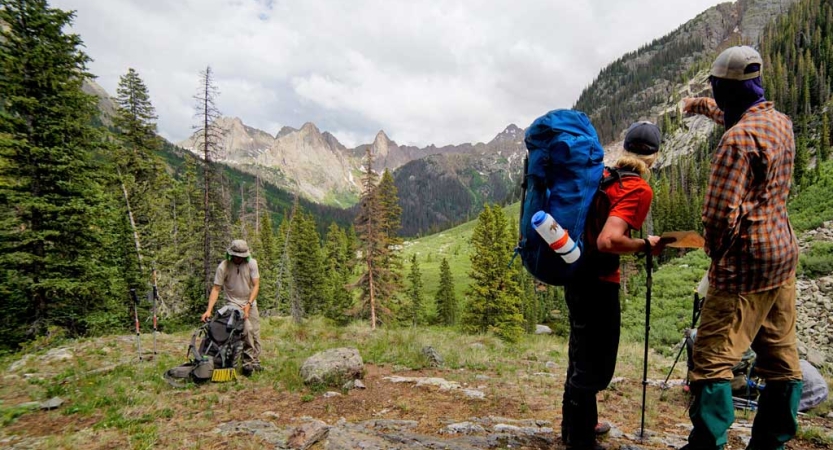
(55, 222)
(494, 296)
(446, 299)
(140, 173)
(337, 274)
(390, 281)
(824, 140)
(802, 158)
(207, 136)
(370, 230)
(136, 121)
(267, 260)
(415, 305)
(307, 264)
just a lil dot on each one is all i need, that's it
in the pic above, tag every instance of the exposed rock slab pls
(333, 367)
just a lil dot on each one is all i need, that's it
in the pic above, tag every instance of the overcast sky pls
(433, 71)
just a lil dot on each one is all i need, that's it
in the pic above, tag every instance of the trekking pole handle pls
(134, 297)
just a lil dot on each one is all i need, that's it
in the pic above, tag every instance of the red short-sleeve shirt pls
(629, 201)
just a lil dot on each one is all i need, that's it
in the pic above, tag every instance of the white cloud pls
(433, 71)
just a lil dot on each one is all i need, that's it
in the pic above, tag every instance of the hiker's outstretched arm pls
(704, 106)
(614, 238)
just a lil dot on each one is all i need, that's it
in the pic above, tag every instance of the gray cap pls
(240, 248)
(733, 62)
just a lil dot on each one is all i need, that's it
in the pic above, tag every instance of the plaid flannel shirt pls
(748, 233)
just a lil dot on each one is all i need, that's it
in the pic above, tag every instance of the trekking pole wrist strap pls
(647, 245)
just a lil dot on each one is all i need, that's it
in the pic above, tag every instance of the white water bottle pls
(557, 238)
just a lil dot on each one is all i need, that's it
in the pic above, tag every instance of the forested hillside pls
(631, 87)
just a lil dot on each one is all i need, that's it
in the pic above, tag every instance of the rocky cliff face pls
(323, 170)
(106, 104)
(814, 307)
(642, 84)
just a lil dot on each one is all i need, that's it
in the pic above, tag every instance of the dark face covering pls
(734, 97)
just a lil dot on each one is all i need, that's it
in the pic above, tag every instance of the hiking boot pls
(250, 368)
(602, 428)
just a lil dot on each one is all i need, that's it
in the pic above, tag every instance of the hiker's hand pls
(688, 104)
(205, 316)
(246, 308)
(656, 245)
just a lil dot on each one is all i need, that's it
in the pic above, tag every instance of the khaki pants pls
(731, 322)
(251, 337)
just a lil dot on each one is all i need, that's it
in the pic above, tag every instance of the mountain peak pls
(310, 127)
(381, 136)
(512, 133)
(284, 131)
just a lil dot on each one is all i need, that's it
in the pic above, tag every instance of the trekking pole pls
(649, 262)
(136, 321)
(694, 316)
(155, 298)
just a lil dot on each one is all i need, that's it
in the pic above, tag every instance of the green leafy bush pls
(817, 261)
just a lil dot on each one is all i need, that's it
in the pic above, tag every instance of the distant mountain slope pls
(279, 199)
(641, 83)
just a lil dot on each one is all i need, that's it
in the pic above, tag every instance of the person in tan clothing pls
(751, 298)
(238, 277)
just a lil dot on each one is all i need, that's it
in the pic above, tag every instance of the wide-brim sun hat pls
(240, 248)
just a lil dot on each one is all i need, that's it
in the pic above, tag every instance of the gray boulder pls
(333, 367)
(433, 356)
(542, 329)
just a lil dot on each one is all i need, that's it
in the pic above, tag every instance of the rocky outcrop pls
(814, 307)
(106, 104)
(479, 433)
(333, 367)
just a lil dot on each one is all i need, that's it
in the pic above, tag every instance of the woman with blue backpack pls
(620, 206)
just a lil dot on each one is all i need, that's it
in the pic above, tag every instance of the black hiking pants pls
(594, 342)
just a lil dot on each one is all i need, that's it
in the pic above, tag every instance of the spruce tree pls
(136, 121)
(337, 274)
(374, 248)
(141, 177)
(55, 224)
(267, 259)
(390, 282)
(802, 158)
(494, 296)
(447, 306)
(415, 303)
(307, 264)
(824, 140)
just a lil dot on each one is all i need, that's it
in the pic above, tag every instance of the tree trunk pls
(132, 222)
(372, 296)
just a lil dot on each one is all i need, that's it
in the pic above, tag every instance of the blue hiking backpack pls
(562, 173)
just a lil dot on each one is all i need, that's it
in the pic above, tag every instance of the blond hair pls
(638, 163)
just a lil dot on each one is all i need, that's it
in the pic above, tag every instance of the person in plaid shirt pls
(753, 252)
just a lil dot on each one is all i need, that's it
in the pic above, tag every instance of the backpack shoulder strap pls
(616, 174)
